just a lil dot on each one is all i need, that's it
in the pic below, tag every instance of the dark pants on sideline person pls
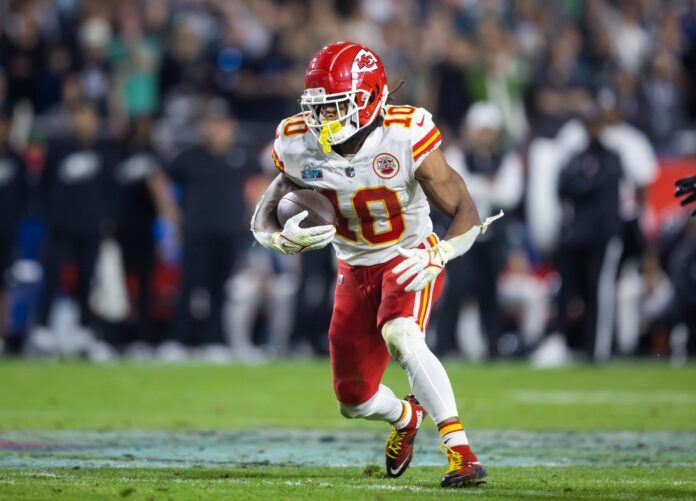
(588, 295)
(207, 264)
(474, 276)
(62, 247)
(138, 251)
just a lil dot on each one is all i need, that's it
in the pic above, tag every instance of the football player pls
(379, 165)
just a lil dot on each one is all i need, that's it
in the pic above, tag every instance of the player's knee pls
(402, 336)
(357, 411)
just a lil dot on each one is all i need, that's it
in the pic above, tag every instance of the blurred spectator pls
(211, 178)
(135, 56)
(76, 195)
(23, 53)
(185, 66)
(451, 85)
(630, 39)
(14, 191)
(500, 77)
(92, 62)
(661, 100)
(539, 62)
(493, 175)
(688, 23)
(589, 247)
(559, 92)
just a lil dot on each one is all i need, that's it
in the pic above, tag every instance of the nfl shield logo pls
(350, 172)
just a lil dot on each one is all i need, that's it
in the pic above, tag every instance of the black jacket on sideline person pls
(213, 220)
(589, 192)
(76, 188)
(590, 248)
(212, 192)
(135, 210)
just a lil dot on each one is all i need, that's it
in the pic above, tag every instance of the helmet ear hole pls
(372, 96)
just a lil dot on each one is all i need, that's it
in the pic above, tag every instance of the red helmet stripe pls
(335, 58)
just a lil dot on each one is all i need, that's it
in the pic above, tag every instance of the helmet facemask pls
(347, 122)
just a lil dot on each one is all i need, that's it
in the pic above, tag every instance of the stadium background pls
(170, 64)
(161, 62)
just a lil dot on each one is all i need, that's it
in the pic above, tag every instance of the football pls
(320, 210)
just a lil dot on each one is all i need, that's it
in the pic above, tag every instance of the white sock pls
(405, 418)
(383, 406)
(387, 406)
(456, 438)
(453, 434)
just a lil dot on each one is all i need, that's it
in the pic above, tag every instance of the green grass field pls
(78, 431)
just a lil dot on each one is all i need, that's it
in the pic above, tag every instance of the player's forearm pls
(264, 222)
(452, 197)
(264, 218)
(464, 218)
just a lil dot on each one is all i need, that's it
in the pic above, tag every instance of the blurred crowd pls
(134, 143)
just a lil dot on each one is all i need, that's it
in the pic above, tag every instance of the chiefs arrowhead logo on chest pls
(385, 165)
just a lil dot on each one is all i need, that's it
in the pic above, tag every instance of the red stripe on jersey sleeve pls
(436, 139)
(425, 139)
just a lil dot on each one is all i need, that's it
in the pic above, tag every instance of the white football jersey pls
(379, 204)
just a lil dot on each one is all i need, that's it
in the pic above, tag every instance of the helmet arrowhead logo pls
(364, 61)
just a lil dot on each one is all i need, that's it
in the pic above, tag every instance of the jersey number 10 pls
(362, 199)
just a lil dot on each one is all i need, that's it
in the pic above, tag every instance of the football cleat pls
(399, 450)
(464, 468)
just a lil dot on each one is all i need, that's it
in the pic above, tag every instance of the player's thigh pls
(359, 356)
(396, 302)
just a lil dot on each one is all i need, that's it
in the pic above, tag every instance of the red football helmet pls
(349, 73)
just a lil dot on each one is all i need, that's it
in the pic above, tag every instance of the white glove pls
(426, 264)
(293, 239)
